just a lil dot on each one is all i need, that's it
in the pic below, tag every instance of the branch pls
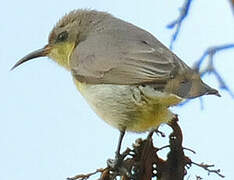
(207, 168)
(210, 52)
(178, 22)
(143, 162)
(86, 176)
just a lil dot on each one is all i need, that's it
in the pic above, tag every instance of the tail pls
(210, 91)
(201, 89)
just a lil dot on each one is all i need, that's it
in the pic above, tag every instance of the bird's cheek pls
(61, 53)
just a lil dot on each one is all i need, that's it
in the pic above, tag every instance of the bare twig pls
(86, 176)
(158, 132)
(178, 22)
(207, 168)
(210, 52)
(143, 163)
(188, 149)
(167, 146)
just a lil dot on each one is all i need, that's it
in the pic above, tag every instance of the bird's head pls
(72, 29)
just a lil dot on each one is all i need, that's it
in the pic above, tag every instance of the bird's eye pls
(62, 36)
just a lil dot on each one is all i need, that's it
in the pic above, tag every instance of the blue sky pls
(47, 130)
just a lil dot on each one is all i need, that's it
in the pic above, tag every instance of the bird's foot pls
(115, 163)
(117, 166)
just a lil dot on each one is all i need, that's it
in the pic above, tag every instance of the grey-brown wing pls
(109, 59)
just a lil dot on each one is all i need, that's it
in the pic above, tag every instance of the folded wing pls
(120, 58)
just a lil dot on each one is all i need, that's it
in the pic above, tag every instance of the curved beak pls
(35, 54)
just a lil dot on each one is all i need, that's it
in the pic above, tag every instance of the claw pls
(118, 168)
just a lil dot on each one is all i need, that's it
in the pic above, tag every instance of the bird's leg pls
(117, 153)
(116, 163)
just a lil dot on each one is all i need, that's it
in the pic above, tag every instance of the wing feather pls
(120, 58)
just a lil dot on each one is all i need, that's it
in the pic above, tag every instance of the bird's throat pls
(61, 53)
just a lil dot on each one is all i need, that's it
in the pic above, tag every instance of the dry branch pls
(143, 162)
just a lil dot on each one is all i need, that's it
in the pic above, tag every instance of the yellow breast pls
(124, 106)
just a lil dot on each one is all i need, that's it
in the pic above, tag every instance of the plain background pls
(47, 130)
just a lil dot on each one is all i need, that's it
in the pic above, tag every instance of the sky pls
(49, 132)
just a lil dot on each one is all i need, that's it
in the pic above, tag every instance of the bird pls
(127, 76)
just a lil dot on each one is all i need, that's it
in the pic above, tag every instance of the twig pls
(86, 176)
(210, 52)
(178, 22)
(143, 162)
(207, 168)
(167, 146)
(188, 149)
(161, 148)
(158, 132)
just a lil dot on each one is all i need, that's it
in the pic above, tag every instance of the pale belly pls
(130, 107)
